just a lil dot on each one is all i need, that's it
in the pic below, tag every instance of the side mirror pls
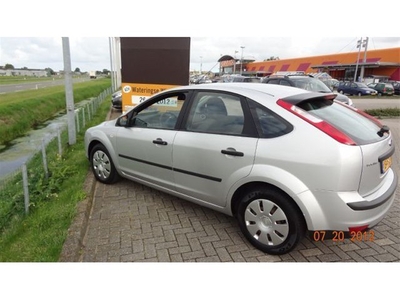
(123, 121)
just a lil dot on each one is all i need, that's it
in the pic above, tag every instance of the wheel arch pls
(91, 146)
(243, 189)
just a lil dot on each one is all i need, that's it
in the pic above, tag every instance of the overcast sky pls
(263, 29)
(92, 53)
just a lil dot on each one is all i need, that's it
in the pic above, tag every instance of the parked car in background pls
(116, 100)
(332, 83)
(282, 160)
(241, 78)
(355, 88)
(396, 87)
(305, 82)
(383, 88)
(202, 79)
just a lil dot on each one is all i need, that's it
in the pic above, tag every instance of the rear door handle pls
(232, 152)
(160, 142)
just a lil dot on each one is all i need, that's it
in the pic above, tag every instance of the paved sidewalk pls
(128, 222)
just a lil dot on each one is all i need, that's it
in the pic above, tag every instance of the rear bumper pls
(328, 210)
(377, 200)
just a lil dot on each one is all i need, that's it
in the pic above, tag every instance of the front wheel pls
(359, 94)
(270, 220)
(102, 165)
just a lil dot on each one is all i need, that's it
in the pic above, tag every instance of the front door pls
(145, 147)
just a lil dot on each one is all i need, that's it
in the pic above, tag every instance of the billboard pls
(152, 64)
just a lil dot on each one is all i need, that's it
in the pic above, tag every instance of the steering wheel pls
(168, 120)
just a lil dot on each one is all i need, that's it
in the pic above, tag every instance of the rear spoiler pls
(294, 100)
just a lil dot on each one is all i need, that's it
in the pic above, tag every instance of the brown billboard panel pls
(155, 60)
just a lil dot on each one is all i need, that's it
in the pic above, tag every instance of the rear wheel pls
(270, 220)
(102, 165)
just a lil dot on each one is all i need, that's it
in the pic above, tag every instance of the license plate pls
(386, 164)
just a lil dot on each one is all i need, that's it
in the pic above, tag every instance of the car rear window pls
(358, 127)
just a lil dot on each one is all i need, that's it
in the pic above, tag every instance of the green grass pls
(40, 235)
(21, 111)
(22, 79)
(25, 79)
(384, 112)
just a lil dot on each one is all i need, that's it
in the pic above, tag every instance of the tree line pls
(50, 71)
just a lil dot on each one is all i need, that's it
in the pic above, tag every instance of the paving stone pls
(311, 252)
(223, 255)
(237, 257)
(331, 257)
(181, 249)
(163, 255)
(214, 258)
(208, 249)
(349, 247)
(193, 255)
(176, 257)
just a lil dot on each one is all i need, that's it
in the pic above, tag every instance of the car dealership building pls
(383, 64)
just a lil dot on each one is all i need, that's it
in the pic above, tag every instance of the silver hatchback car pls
(282, 160)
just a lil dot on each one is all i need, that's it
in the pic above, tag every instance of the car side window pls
(162, 114)
(268, 124)
(273, 81)
(216, 113)
(285, 82)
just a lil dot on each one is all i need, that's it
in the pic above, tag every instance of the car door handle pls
(160, 142)
(232, 151)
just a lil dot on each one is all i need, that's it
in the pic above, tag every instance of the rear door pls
(216, 147)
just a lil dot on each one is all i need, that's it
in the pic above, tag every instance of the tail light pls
(318, 123)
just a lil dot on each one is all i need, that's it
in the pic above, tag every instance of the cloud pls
(92, 53)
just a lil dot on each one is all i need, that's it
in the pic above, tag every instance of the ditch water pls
(20, 150)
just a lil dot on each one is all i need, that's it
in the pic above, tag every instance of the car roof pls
(248, 90)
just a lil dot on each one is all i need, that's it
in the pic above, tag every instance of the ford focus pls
(282, 160)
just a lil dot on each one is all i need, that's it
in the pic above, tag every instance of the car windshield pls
(361, 85)
(311, 84)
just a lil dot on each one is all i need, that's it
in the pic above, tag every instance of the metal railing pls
(19, 181)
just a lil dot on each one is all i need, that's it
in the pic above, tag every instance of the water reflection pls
(19, 151)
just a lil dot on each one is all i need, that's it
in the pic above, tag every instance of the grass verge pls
(384, 112)
(20, 111)
(40, 235)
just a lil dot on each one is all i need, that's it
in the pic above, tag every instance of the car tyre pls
(102, 165)
(270, 220)
(341, 91)
(359, 94)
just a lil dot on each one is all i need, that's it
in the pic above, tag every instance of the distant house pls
(23, 72)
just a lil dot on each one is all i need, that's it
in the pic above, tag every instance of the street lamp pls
(361, 43)
(201, 62)
(234, 63)
(241, 61)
